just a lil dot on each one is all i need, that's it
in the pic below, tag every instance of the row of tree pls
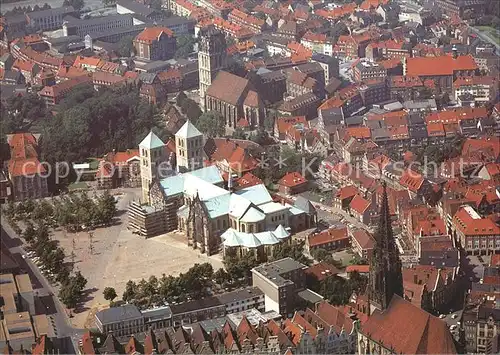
(194, 284)
(70, 211)
(52, 258)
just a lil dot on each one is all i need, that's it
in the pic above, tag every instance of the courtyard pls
(117, 256)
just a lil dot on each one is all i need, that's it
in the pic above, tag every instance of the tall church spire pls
(386, 277)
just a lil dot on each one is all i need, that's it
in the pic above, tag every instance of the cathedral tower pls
(386, 278)
(189, 148)
(212, 57)
(152, 152)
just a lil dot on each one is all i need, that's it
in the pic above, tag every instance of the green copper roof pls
(188, 130)
(151, 141)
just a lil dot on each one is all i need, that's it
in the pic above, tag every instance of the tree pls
(130, 292)
(294, 250)
(212, 124)
(222, 277)
(109, 294)
(107, 207)
(19, 113)
(79, 280)
(336, 290)
(77, 4)
(181, 97)
(191, 109)
(320, 254)
(126, 46)
(260, 136)
(185, 46)
(239, 133)
(69, 294)
(29, 233)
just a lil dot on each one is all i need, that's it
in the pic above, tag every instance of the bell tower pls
(212, 57)
(152, 152)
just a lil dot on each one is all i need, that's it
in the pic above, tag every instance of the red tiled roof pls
(436, 66)
(362, 269)
(363, 238)
(81, 61)
(305, 325)
(475, 80)
(322, 270)
(411, 180)
(151, 34)
(334, 317)
(359, 132)
(23, 65)
(456, 115)
(68, 72)
(424, 334)
(347, 192)
(359, 204)
(248, 179)
(328, 236)
(487, 147)
(430, 227)
(470, 226)
(292, 179)
(293, 331)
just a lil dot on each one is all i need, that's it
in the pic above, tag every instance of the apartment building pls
(243, 19)
(483, 89)
(48, 20)
(365, 70)
(476, 234)
(280, 280)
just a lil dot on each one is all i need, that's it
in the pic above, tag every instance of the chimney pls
(454, 50)
(415, 279)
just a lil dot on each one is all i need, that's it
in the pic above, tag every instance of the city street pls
(48, 302)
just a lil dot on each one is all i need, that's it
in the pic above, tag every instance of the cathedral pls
(396, 326)
(199, 202)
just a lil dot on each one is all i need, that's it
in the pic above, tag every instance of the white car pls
(454, 316)
(442, 316)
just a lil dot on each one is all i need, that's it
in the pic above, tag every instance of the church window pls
(250, 228)
(242, 227)
(224, 224)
